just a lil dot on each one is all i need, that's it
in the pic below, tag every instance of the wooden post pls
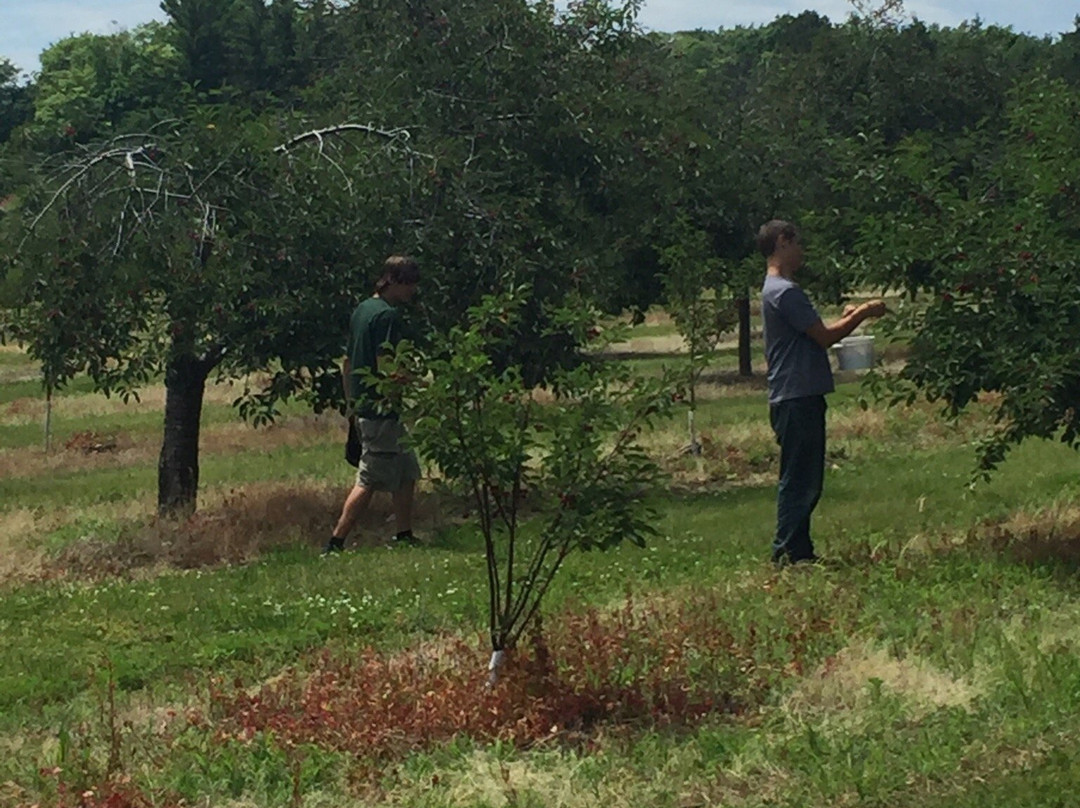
(48, 417)
(746, 367)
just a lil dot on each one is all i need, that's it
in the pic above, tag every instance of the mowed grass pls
(942, 665)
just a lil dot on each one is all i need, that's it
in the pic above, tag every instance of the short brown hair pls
(398, 269)
(770, 233)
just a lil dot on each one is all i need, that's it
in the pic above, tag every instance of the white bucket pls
(855, 353)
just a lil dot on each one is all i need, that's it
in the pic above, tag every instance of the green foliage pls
(93, 85)
(989, 256)
(545, 478)
(250, 49)
(15, 105)
(201, 29)
(171, 261)
(225, 241)
(152, 255)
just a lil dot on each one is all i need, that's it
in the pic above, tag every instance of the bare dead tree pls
(881, 13)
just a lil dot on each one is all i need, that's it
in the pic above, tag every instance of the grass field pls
(934, 663)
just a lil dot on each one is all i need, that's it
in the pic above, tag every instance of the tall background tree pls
(15, 104)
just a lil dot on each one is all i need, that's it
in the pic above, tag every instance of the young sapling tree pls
(694, 299)
(549, 470)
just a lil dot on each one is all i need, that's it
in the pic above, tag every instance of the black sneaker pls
(406, 539)
(334, 546)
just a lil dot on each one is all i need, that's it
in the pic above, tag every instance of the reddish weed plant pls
(113, 793)
(89, 442)
(659, 665)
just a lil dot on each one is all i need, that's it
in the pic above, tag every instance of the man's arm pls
(346, 373)
(828, 335)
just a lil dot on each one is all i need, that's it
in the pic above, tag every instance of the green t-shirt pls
(373, 323)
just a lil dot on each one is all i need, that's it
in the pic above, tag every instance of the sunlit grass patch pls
(89, 450)
(234, 525)
(24, 432)
(17, 366)
(554, 778)
(312, 457)
(24, 394)
(26, 403)
(850, 679)
(1047, 536)
(649, 355)
(20, 554)
(655, 340)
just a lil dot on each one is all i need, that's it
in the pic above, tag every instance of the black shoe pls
(334, 546)
(404, 539)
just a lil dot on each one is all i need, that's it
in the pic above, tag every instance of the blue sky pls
(29, 26)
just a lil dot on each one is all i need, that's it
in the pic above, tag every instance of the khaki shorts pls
(385, 465)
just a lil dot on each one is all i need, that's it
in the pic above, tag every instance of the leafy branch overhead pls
(986, 254)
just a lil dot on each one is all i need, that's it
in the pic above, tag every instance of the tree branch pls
(80, 171)
(397, 135)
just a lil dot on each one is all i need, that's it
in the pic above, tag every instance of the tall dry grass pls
(233, 526)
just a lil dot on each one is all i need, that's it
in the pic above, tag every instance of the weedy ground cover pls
(220, 661)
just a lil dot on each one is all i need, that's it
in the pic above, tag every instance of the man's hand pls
(872, 308)
(875, 308)
(828, 335)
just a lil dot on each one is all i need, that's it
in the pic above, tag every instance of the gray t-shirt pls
(798, 366)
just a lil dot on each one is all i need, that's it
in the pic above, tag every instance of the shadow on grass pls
(1048, 541)
(626, 356)
(1052, 547)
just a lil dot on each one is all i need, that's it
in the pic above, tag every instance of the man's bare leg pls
(403, 511)
(355, 505)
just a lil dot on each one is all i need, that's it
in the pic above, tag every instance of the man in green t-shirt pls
(385, 465)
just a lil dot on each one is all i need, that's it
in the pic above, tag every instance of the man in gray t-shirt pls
(796, 343)
(798, 366)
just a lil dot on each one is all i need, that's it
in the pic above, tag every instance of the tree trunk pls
(178, 465)
(746, 367)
